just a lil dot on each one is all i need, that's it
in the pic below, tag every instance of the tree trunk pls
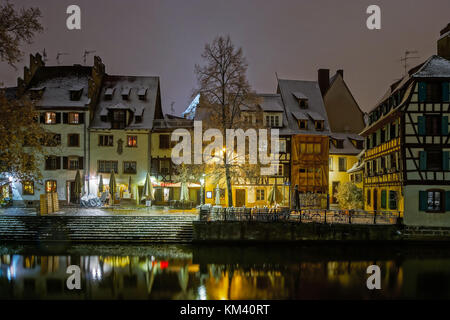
(229, 191)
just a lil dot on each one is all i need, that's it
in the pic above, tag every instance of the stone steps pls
(97, 228)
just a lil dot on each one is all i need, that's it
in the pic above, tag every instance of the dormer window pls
(338, 143)
(125, 93)
(318, 124)
(109, 93)
(142, 93)
(303, 103)
(36, 93)
(303, 124)
(75, 93)
(301, 99)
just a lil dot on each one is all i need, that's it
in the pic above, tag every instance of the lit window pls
(434, 201)
(50, 186)
(50, 118)
(28, 188)
(74, 118)
(132, 141)
(260, 194)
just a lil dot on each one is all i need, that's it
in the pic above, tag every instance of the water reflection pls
(174, 272)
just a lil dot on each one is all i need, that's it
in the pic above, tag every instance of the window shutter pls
(397, 161)
(383, 199)
(378, 138)
(423, 160)
(422, 126)
(42, 117)
(81, 163)
(445, 157)
(58, 117)
(445, 92)
(81, 115)
(445, 125)
(65, 162)
(47, 163)
(422, 91)
(65, 117)
(58, 163)
(388, 132)
(422, 200)
(447, 201)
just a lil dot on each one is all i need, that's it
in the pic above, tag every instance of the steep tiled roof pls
(132, 86)
(315, 108)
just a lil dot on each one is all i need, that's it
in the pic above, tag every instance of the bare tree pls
(16, 27)
(223, 86)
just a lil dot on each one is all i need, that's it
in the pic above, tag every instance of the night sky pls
(291, 37)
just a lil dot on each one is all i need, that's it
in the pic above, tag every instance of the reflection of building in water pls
(125, 277)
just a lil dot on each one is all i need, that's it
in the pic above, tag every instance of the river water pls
(224, 272)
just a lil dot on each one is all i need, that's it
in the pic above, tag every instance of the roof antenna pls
(407, 57)
(58, 55)
(85, 54)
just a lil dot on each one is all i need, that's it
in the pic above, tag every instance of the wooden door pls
(240, 197)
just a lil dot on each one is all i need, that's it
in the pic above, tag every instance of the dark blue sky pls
(291, 37)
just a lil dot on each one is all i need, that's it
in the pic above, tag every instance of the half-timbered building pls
(408, 144)
(308, 127)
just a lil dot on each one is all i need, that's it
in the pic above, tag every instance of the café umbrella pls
(78, 184)
(184, 194)
(112, 185)
(275, 195)
(218, 195)
(148, 188)
(100, 185)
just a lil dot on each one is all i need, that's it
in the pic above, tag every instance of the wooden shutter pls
(47, 163)
(445, 158)
(422, 91)
(81, 163)
(378, 138)
(397, 161)
(447, 201)
(58, 163)
(81, 117)
(421, 126)
(423, 201)
(58, 117)
(65, 117)
(445, 92)
(65, 162)
(388, 132)
(444, 125)
(423, 160)
(383, 199)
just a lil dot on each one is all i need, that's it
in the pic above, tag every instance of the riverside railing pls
(302, 216)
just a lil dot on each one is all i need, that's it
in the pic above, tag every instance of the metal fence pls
(302, 216)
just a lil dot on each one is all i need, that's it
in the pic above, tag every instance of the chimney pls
(323, 76)
(443, 44)
(341, 72)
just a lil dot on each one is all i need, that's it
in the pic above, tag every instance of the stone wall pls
(227, 231)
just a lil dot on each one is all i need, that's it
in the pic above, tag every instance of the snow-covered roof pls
(348, 146)
(270, 102)
(300, 96)
(190, 111)
(57, 82)
(131, 85)
(316, 108)
(300, 115)
(434, 67)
